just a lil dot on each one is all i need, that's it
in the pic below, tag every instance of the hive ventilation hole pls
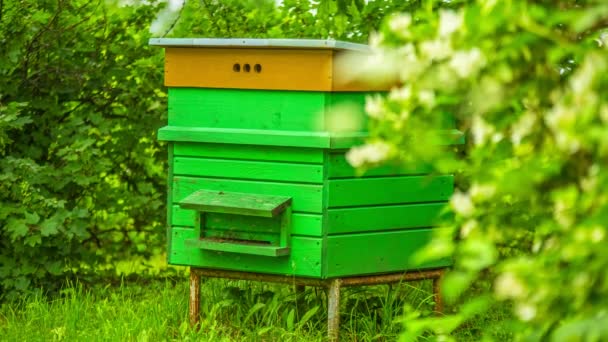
(247, 67)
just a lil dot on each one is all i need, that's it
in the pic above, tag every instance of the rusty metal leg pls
(195, 298)
(300, 289)
(333, 310)
(438, 297)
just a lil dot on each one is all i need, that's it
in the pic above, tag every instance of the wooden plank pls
(278, 68)
(239, 248)
(304, 259)
(356, 99)
(306, 197)
(389, 190)
(301, 224)
(347, 140)
(249, 152)
(339, 167)
(221, 245)
(249, 109)
(362, 219)
(371, 253)
(245, 136)
(253, 236)
(237, 203)
(169, 190)
(242, 223)
(270, 171)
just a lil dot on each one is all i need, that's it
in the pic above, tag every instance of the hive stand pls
(332, 287)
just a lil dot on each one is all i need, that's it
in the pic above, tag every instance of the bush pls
(526, 80)
(81, 176)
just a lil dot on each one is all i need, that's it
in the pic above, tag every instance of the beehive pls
(258, 179)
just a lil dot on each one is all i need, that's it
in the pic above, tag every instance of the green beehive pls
(258, 176)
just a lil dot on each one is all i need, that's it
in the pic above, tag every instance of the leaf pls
(264, 330)
(455, 283)
(257, 307)
(49, 227)
(290, 320)
(54, 267)
(31, 218)
(17, 228)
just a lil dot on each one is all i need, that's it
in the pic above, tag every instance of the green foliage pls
(342, 19)
(81, 176)
(526, 80)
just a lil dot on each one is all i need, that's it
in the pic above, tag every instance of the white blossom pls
(481, 130)
(375, 39)
(436, 49)
(426, 98)
(482, 192)
(449, 22)
(525, 312)
(589, 182)
(602, 40)
(400, 24)
(409, 64)
(466, 63)
(522, 128)
(582, 80)
(604, 113)
(597, 234)
(374, 106)
(462, 204)
(467, 228)
(406, 50)
(581, 281)
(562, 213)
(400, 94)
(371, 153)
(509, 286)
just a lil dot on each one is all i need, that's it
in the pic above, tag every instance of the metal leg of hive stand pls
(437, 293)
(300, 289)
(195, 297)
(333, 310)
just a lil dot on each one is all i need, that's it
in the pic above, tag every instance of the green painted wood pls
(249, 152)
(235, 203)
(170, 212)
(333, 140)
(272, 171)
(306, 197)
(354, 98)
(301, 224)
(363, 219)
(245, 136)
(389, 190)
(347, 140)
(250, 109)
(253, 236)
(240, 248)
(371, 253)
(339, 167)
(304, 259)
(242, 223)
(182, 217)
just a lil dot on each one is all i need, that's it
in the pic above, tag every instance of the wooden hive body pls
(258, 177)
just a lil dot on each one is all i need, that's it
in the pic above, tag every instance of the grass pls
(156, 310)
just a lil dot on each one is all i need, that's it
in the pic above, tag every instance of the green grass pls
(157, 310)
